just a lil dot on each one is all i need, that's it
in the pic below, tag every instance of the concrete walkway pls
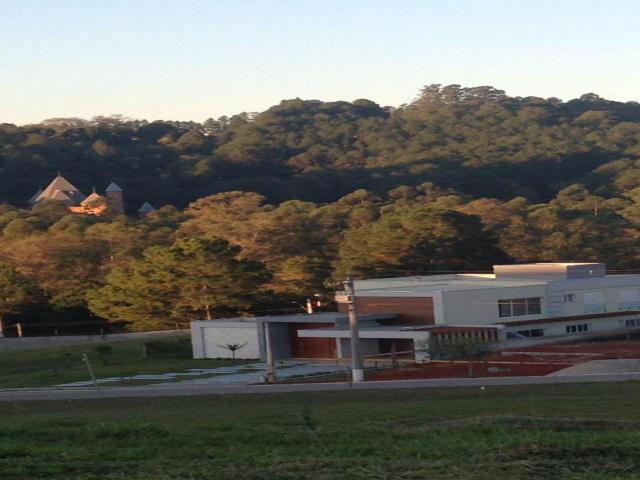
(613, 366)
(171, 390)
(233, 375)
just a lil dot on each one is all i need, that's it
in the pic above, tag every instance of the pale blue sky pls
(190, 59)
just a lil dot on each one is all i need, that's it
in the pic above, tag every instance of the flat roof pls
(424, 285)
(392, 331)
(418, 285)
(377, 331)
(321, 317)
(561, 264)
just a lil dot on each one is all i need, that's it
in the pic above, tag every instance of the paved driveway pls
(613, 366)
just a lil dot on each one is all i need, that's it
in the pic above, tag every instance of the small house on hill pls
(61, 190)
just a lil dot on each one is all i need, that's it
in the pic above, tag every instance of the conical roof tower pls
(146, 209)
(61, 184)
(115, 197)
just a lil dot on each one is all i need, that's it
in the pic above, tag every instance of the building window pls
(580, 328)
(533, 333)
(594, 302)
(533, 306)
(504, 308)
(629, 300)
(519, 307)
(569, 298)
(595, 308)
(629, 306)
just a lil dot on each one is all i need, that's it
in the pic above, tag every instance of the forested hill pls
(265, 209)
(477, 141)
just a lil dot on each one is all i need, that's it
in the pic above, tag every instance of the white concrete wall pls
(480, 306)
(207, 338)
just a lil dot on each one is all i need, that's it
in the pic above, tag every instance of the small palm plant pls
(233, 348)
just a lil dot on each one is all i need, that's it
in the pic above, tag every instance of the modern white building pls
(545, 294)
(536, 302)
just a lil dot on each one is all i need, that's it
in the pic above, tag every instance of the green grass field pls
(585, 431)
(52, 366)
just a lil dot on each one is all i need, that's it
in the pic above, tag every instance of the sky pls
(193, 59)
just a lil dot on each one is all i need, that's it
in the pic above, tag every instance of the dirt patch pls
(461, 370)
(577, 352)
(516, 362)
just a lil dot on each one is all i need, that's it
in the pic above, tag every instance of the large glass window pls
(533, 333)
(629, 299)
(518, 307)
(504, 308)
(594, 302)
(533, 306)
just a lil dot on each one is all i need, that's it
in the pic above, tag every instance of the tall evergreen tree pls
(17, 294)
(191, 279)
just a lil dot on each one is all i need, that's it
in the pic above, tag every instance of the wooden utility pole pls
(357, 373)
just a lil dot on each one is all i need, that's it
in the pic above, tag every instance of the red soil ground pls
(528, 361)
(457, 370)
(590, 350)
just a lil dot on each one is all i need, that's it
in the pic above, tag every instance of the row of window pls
(579, 328)
(518, 307)
(576, 328)
(622, 306)
(594, 303)
(539, 332)
(533, 333)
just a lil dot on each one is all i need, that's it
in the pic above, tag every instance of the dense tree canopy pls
(17, 294)
(266, 209)
(477, 140)
(188, 280)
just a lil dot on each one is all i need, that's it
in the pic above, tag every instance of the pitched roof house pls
(61, 190)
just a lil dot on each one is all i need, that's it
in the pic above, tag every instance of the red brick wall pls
(410, 310)
(311, 347)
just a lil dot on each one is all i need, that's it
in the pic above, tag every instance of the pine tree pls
(17, 293)
(189, 280)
